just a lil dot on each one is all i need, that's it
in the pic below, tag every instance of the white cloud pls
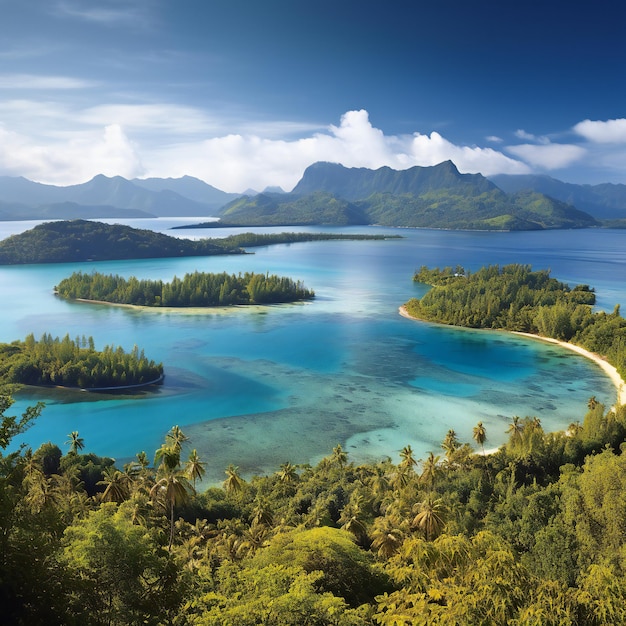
(107, 152)
(609, 131)
(236, 162)
(549, 156)
(65, 144)
(494, 139)
(522, 134)
(35, 81)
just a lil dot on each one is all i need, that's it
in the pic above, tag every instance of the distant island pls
(75, 363)
(515, 298)
(199, 289)
(82, 240)
(252, 240)
(418, 197)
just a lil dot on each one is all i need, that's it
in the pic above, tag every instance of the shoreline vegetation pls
(198, 289)
(612, 373)
(517, 299)
(75, 364)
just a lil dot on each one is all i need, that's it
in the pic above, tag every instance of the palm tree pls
(175, 438)
(262, 514)
(351, 519)
(75, 442)
(194, 467)
(430, 518)
(387, 537)
(480, 435)
(142, 459)
(172, 487)
(233, 483)
(287, 473)
(117, 485)
(592, 403)
(430, 470)
(408, 459)
(515, 431)
(450, 444)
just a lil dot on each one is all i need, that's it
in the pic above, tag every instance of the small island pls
(515, 298)
(75, 363)
(199, 289)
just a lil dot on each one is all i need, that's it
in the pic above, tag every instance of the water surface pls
(259, 386)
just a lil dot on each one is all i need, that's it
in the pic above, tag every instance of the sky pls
(245, 94)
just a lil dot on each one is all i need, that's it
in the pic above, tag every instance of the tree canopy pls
(74, 363)
(199, 289)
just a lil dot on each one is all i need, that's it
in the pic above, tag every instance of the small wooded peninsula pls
(83, 240)
(198, 289)
(514, 297)
(76, 363)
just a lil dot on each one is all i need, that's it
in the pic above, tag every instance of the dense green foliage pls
(427, 197)
(267, 209)
(81, 240)
(74, 363)
(513, 297)
(197, 289)
(533, 534)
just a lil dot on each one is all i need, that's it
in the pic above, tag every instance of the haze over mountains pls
(110, 197)
(437, 196)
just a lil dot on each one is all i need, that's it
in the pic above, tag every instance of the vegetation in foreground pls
(198, 289)
(513, 297)
(533, 534)
(74, 363)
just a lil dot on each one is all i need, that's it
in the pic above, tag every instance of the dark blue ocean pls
(260, 386)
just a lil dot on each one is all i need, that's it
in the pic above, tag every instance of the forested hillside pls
(83, 240)
(426, 197)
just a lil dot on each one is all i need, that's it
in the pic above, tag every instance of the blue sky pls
(248, 94)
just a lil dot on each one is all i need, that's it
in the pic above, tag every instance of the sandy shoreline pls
(188, 310)
(609, 370)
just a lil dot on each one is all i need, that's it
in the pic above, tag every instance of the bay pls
(257, 387)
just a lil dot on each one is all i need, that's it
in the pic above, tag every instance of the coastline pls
(609, 370)
(219, 310)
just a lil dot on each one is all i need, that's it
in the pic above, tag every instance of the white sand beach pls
(611, 372)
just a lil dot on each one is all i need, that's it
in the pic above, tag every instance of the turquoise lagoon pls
(257, 387)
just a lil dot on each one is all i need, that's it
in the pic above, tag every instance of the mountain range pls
(114, 197)
(430, 197)
(328, 193)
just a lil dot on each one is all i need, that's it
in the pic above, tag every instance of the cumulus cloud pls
(548, 156)
(107, 152)
(609, 131)
(236, 161)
